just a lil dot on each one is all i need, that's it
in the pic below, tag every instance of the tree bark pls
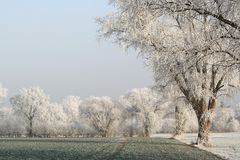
(104, 135)
(131, 131)
(131, 127)
(30, 132)
(204, 115)
(147, 126)
(203, 131)
(146, 131)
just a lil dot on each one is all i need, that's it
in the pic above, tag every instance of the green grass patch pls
(98, 148)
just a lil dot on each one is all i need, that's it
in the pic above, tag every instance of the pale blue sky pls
(53, 44)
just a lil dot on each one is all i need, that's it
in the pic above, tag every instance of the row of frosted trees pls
(140, 112)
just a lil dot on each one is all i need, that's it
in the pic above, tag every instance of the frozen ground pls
(100, 149)
(226, 145)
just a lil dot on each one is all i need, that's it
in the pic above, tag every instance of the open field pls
(93, 148)
(226, 145)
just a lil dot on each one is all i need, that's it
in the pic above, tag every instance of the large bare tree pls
(186, 47)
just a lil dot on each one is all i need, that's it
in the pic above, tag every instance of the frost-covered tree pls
(10, 123)
(237, 111)
(128, 125)
(46, 123)
(28, 103)
(225, 121)
(59, 119)
(56, 120)
(165, 121)
(175, 104)
(223, 15)
(101, 114)
(181, 119)
(186, 48)
(142, 105)
(71, 106)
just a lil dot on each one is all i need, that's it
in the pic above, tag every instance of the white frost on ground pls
(227, 145)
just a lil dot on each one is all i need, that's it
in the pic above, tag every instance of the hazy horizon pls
(54, 45)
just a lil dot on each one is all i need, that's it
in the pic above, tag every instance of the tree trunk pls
(146, 131)
(131, 131)
(104, 135)
(204, 115)
(131, 127)
(30, 132)
(147, 126)
(203, 132)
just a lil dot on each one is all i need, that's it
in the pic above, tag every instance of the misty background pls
(53, 44)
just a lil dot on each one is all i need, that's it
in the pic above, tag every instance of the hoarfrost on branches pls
(28, 103)
(193, 45)
(101, 114)
(141, 106)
